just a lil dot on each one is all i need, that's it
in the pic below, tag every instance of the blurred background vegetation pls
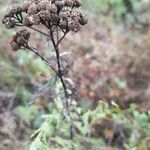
(113, 51)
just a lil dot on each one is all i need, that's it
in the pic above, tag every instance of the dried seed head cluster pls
(63, 13)
(20, 40)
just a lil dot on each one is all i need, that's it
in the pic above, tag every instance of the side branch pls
(41, 57)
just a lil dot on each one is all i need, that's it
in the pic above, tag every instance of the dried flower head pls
(52, 8)
(20, 39)
(77, 3)
(28, 20)
(65, 15)
(74, 25)
(9, 22)
(42, 5)
(33, 9)
(45, 15)
(69, 3)
(59, 4)
(26, 5)
(63, 24)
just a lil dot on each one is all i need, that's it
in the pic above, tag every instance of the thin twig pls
(58, 64)
(61, 38)
(41, 57)
(39, 31)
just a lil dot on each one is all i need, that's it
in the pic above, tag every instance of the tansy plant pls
(58, 17)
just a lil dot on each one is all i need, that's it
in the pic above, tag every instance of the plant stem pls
(56, 48)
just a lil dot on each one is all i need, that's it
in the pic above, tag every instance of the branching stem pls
(56, 48)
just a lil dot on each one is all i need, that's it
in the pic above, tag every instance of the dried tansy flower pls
(52, 8)
(59, 4)
(74, 25)
(20, 39)
(32, 9)
(42, 5)
(28, 21)
(26, 5)
(45, 15)
(9, 22)
(36, 19)
(69, 3)
(63, 24)
(77, 3)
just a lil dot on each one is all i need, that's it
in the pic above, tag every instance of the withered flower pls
(32, 9)
(69, 3)
(77, 3)
(20, 40)
(42, 5)
(28, 20)
(74, 25)
(59, 4)
(52, 8)
(8, 22)
(45, 15)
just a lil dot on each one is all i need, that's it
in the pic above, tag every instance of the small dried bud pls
(36, 19)
(32, 9)
(14, 46)
(64, 15)
(45, 15)
(20, 39)
(69, 3)
(77, 3)
(55, 18)
(63, 24)
(74, 25)
(52, 8)
(26, 5)
(25, 34)
(59, 4)
(36, 1)
(28, 21)
(83, 20)
(42, 5)
(16, 8)
(9, 22)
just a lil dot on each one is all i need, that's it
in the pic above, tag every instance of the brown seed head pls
(32, 9)
(77, 3)
(9, 22)
(69, 3)
(52, 8)
(45, 15)
(59, 4)
(28, 20)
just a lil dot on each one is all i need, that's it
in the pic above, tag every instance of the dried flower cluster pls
(20, 40)
(64, 13)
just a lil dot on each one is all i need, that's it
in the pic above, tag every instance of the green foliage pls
(115, 8)
(55, 131)
(18, 71)
(27, 113)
